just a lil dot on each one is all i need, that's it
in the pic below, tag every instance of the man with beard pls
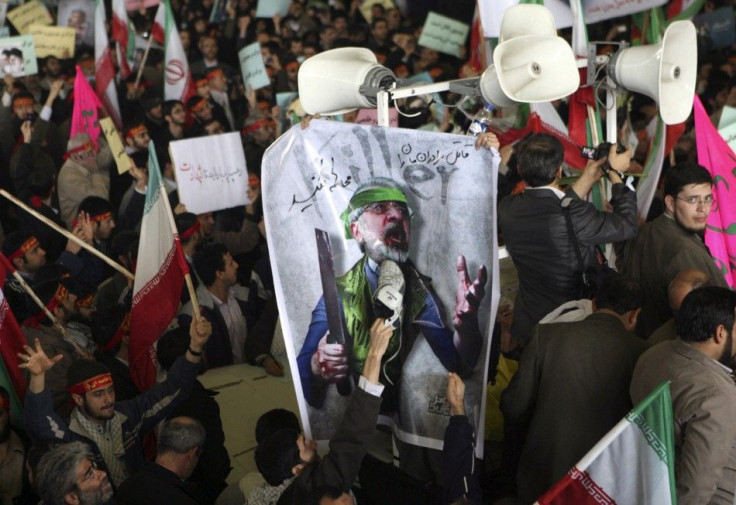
(698, 366)
(68, 475)
(12, 454)
(112, 430)
(378, 217)
(672, 243)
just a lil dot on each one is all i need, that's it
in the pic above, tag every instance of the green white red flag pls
(633, 463)
(159, 277)
(178, 83)
(124, 36)
(12, 341)
(104, 68)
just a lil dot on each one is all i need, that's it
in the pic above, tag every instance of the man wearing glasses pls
(671, 243)
(378, 219)
(67, 474)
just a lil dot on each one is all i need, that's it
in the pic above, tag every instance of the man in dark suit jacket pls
(534, 227)
(180, 442)
(571, 387)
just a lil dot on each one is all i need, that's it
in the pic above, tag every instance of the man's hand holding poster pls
(371, 223)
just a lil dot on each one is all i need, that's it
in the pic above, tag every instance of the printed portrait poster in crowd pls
(366, 222)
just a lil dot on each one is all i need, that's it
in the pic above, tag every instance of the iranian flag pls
(159, 277)
(104, 68)
(12, 341)
(178, 84)
(633, 463)
(124, 36)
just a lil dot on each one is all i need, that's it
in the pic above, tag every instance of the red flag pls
(159, 277)
(12, 339)
(85, 115)
(123, 35)
(104, 68)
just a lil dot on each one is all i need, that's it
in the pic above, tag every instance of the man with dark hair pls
(288, 460)
(571, 386)
(225, 302)
(534, 226)
(112, 431)
(180, 443)
(681, 285)
(97, 218)
(698, 366)
(175, 116)
(67, 475)
(671, 243)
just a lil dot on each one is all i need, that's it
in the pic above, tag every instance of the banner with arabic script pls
(210, 172)
(345, 203)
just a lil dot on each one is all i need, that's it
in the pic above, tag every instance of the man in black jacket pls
(534, 227)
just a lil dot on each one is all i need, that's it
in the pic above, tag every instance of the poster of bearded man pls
(367, 222)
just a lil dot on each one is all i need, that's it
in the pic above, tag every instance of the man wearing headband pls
(137, 137)
(12, 454)
(113, 431)
(80, 177)
(378, 219)
(97, 217)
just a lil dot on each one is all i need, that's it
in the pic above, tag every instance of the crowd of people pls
(605, 339)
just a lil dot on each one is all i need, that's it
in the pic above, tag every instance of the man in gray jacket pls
(699, 368)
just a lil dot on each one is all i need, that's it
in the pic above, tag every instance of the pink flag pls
(85, 115)
(716, 155)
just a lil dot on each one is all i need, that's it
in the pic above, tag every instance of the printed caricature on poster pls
(18, 56)
(370, 222)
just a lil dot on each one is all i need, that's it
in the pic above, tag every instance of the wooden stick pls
(46, 311)
(192, 296)
(81, 243)
(143, 60)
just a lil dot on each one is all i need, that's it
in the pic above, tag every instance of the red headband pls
(92, 384)
(214, 73)
(198, 105)
(59, 296)
(94, 219)
(24, 248)
(254, 181)
(291, 64)
(191, 230)
(201, 82)
(257, 125)
(23, 101)
(78, 149)
(85, 302)
(122, 330)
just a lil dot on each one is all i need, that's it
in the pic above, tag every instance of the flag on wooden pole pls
(178, 84)
(159, 277)
(124, 36)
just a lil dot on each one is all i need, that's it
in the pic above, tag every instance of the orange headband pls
(191, 230)
(132, 132)
(255, 126)
(291, 64)
(199, 105)
(87, 301)
(201, 82)
(254, 181)
(78, 149)
(24, 248)
(214, 73)
(23, 101)
(92, 384)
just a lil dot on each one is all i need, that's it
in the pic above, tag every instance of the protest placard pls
(18, 56)
(369, 117)
(599, 10)
(122, 161)
(252, 67)
(53, 41)
(78, 15)
(210, 172)
(444, 34)
(31, 13)
(367, 5)
(134, 5)
(269, 8)
(491, 12)
(727, 126)
(717, 26)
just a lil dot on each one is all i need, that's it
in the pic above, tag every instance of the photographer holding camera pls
(536, 228)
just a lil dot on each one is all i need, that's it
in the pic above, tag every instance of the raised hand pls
(469, 295)
(36, 361)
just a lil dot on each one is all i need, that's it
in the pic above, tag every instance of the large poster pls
(359, 217)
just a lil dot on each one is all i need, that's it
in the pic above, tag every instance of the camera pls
(600, 152)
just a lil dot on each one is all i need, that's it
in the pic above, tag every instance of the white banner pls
(491, 12)
(210, 172)
(599, 10)
(450, 188)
